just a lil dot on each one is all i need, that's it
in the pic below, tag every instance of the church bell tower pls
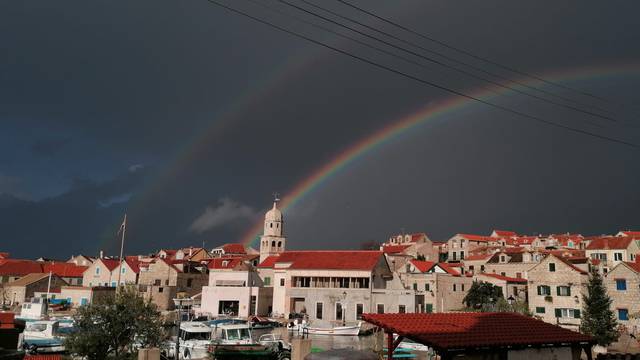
(272, 242)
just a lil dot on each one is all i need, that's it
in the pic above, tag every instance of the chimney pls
(101, 254)
(190, 251)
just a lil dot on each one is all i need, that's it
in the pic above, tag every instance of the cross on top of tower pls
(276, 197)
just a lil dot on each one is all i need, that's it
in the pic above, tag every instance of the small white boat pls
(304, 327)
(233, 334)
(195, 338)
(42, 337)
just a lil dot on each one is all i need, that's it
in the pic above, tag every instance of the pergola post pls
(391, 344)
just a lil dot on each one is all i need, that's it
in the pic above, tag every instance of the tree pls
(598, 320)
(482, 294)
(112, 326)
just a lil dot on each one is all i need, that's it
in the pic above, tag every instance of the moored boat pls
(305, 328)
(43, 337)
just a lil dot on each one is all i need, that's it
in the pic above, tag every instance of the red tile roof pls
(417, 236)
(610, 242)
(505, 278)
(564, 260)
(4, 255)
(477, 257)
(110, 263)
(63, 269)
(234, 249)
(133, 262)
(634, 265)
(268, 262)
(631, 233)
(331, 259)
(20, 267)
(505, 233)
(423, 266)
(449, 331)
(474, 237)
(450, 270)
(394, 249)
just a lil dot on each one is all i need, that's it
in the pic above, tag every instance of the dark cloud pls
(49, 147)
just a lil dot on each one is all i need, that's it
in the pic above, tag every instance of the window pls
(426, 287)
(568, 313)
(503, 258)
(319, 309)
(415, 286)
(402, 309)
(273, 243)
(540, 310)
(623, 314)
(428, 308)
(160, 289)
(552, 267)
(380, 308)
(282, 282)
(454, 256)
(189, 282)
(544, 290)
(454, 287)
(563, 290)
(157, 282)
(519, 275)
(267, 281)
(359, 311)
(123, 270)
(617, 256)
(503, 273)
(461, 287)
(339, 311)
(461, 255)
(97, 270)
(621, 284)
(113, 284)
(481, 268)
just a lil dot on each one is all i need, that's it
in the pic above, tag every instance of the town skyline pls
(187, 117)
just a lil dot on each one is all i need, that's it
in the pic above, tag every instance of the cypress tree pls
(598, 320)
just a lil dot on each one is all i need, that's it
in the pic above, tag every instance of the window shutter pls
(558, 313)
(558, 290)
(576, 313)
(569, 292)
(539, 290)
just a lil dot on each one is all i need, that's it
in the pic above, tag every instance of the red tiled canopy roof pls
(460, 331)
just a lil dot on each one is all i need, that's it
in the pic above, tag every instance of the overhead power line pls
(423, 81)
(445, 65)
(454, 60)
(468, 53)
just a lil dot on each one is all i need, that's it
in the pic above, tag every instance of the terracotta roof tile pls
(505, 233)
(444, 331)
(394, 249)
(423, 266)
(234, 249)
(268, 262)
(64, 269)
(20, 267)
(610, 242)
(331, 259)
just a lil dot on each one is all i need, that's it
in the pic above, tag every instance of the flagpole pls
(124, 228)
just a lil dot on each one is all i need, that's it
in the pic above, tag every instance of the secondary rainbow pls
(429, 112)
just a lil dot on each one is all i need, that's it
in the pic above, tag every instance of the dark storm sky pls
(188, 117)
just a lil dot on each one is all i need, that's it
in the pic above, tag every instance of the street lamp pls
(510, 299)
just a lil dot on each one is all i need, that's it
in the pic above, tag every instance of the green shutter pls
(558, 290)
(576, 313)
(569, 292)
(539, 290)
(558, 313)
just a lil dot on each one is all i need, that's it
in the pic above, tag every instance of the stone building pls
(107, 272)
(437, 286)
(512, 288)
(163, 280)
(623, 286)
(555, 288)
(19, 291)
(512, 262)
(612, 250)
(235, 288)
(460, 245)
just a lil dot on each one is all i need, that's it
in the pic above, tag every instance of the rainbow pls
(403, 125)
